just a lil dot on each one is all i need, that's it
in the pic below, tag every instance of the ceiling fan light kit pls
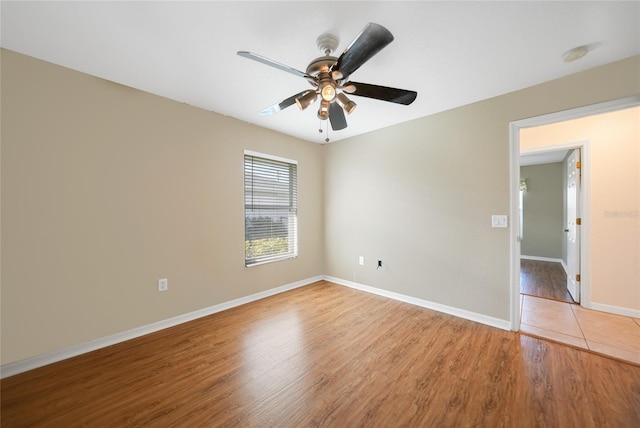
(328, 91)
(306, 99)
(329, 76)
(346, 103)
(323, 112)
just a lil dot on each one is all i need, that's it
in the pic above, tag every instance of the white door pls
(573, 225)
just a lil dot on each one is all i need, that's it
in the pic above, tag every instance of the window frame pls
(292, 203)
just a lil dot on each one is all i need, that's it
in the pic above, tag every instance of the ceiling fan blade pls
(273, 63)
(336, 117)
(394, 95)
(369, 42)
(281, 105)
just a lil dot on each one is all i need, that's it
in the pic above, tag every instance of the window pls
(270, 208)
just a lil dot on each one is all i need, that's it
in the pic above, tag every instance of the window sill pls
(274, 260)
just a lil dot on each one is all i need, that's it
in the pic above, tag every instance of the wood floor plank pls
(544, 279)
(327, 356)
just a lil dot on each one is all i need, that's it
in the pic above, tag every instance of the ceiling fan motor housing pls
(321, 65)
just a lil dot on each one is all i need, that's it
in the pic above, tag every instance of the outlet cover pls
(361, 260)
(163, 284)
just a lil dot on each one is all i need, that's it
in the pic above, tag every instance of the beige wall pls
(105, 189)
(543, 211)
(614, 140)
(420, 195)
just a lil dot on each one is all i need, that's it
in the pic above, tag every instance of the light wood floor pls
(327, 355)
(544, 279)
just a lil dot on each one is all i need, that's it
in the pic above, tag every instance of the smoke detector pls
(575, 53)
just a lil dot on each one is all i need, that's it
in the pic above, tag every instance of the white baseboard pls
(618, 310)
(460, 313)
(564, 266)
(542, 259)
(34, 362)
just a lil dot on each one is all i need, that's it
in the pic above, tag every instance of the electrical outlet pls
(361, 260)
(163, 284)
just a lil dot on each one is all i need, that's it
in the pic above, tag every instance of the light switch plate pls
(499, 221)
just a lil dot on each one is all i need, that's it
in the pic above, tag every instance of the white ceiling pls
(452, 53)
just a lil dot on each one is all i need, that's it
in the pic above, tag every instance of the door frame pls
(514, 189)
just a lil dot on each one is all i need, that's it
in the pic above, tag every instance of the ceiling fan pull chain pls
(326, 140)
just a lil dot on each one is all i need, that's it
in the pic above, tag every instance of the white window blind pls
(270, 209)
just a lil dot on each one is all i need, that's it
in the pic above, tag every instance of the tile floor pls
(616, 336)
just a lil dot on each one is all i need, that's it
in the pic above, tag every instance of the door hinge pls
(578, 221)
(578, 278)
(578, 165)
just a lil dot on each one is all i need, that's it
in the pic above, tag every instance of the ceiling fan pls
(329, 77)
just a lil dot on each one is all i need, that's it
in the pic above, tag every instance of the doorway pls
(515, 237)
(604, 322)
(548, 210)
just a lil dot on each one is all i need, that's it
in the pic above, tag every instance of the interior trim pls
(460, 313)
(36, 361)
(541, 259)
(617, 310)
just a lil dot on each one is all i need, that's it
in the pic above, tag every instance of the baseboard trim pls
(617, 310)
(34, 362)
(564, 266)
(460, 313)
(542, 259)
